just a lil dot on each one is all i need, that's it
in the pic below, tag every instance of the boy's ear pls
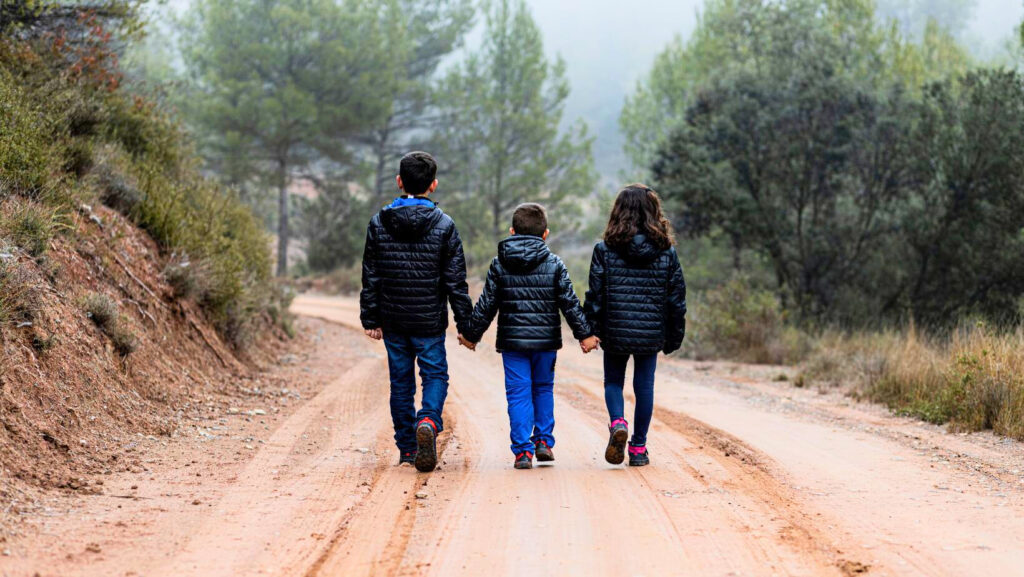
(398, 180)
(511, 231)
(545, 235)
(433, 186)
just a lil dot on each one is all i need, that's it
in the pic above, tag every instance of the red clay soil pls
(72, 408)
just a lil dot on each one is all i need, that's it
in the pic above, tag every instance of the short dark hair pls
(418, 170)
(530, 218)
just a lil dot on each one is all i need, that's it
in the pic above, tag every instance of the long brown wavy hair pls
(637, 210)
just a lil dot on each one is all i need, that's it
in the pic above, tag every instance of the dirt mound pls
(100, 353)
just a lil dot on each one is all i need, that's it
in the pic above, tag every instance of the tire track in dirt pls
(749, 472)
(295, 490)
(359, 547)
(793, 545)
(579, 516)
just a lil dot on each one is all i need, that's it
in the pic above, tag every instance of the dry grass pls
(973, 380)
(104, 312)
(18, 301)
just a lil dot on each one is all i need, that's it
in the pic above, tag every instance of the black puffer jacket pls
(637, 298)
(412, 264)
(527, 286)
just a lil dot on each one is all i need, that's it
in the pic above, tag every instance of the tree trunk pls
(737, 252)
(282, 218)
(382, 159)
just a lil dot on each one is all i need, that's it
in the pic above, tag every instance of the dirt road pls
(748, 478)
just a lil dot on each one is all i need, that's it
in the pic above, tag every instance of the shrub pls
(26, 152)
(29, 225)
(853, 361)
(975, 381)
(101, 309)
(104, 312)
(17, 290)
(62, 136)
(739, 322)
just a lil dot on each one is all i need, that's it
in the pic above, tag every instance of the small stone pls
(93, 548)
(363, 450)
(259, 412)
(234, 410)
(421, 495)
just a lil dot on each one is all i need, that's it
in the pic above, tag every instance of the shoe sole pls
(545, 456)
(639, 463)
(426, 450)
(616, 451)
(526, 465)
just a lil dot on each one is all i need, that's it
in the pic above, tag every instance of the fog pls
(610, 44)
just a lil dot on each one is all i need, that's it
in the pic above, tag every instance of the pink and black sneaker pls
(408, 457)
(426, 446)
(618, 434)
(638, 456)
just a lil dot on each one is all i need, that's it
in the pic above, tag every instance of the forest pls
(844, 177)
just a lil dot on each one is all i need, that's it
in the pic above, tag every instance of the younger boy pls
(526, 286)
(413, 265)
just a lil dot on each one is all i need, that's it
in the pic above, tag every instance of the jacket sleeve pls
(369, 297)
(570, 305)
(676, 310)
(486, 307)
(454, 278)
(594, 298)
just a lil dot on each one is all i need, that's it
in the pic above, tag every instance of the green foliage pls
(965, 212)
(420, 33)
(500, 117)
(26, 154)
(738, 322)
(799, 169)
(334, 224)
(865, 197)
(66, 140)
(29, 225)
(277, 86)
(741, 36)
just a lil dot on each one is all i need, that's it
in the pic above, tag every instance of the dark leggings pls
(643, 389)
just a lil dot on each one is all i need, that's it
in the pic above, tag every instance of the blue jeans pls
(643, 389)
(529, 389)
(403, 351)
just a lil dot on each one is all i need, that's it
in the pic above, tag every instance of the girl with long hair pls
(636, 305)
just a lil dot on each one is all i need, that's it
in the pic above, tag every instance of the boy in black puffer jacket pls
(526, 287)
(413, 265)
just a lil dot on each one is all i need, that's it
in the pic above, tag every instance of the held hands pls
(464, 342)
(374, 334)
(590, 343)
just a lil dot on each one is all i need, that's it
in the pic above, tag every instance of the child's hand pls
(466, 343)
(374, 334)
(590, 343)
